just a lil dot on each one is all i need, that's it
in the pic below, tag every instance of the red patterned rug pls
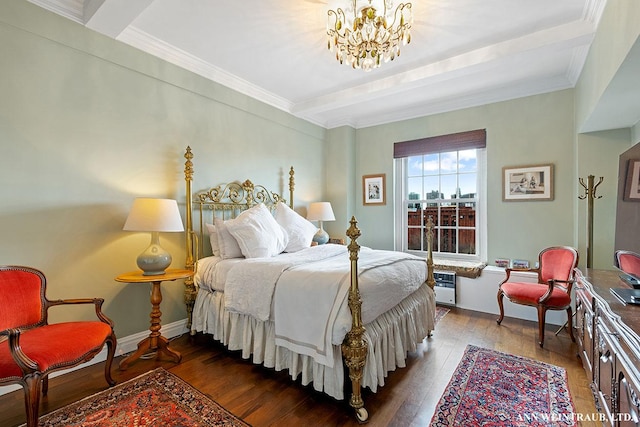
(440, 313)
(490, 388)
(157, 398)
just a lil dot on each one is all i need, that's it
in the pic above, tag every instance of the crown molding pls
(578, 58)
(156, 47)
(593, 11)
(490, 96)
(318, 110)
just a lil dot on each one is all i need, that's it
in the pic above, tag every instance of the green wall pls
(618, 30)
(599, 152)
(340, 177)
(87, 124)
(526, 131)
(532, 130)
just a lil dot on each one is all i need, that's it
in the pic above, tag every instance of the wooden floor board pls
(264, 397)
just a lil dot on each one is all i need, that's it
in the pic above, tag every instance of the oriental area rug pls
(490, 388)
(440, 313)
(157, 398)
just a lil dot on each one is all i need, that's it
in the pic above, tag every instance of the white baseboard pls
(125, 345)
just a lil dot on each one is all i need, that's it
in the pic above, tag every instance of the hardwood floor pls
(263, 397)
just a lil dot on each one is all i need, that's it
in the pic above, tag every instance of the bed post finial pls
(354, 347)
(189, 287)
(188, 165)
(291, 186)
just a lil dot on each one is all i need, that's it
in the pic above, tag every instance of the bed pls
(262, 288)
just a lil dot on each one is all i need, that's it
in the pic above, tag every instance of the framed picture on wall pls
(527, 183)
(632, 185)
(373, 190)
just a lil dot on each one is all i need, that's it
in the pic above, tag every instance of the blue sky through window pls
(447, 174)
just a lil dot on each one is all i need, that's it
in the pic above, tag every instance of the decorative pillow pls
(213, 238)
(257, 233)
(298, 228)
(226, 242)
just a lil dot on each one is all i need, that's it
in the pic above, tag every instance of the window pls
(444, 181)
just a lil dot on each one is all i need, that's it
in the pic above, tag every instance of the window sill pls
(471, 269)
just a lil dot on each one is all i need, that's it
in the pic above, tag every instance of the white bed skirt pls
(389, 338)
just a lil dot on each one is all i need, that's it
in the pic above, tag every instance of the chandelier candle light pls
(154, 215)
(364, 39)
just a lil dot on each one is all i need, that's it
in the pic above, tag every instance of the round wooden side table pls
(155, 341)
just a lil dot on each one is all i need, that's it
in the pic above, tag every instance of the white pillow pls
(213, 238)
(298, 228)
(226, 242)
(257, 233)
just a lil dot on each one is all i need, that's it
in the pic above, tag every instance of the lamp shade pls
(149, 214)
(320, 211)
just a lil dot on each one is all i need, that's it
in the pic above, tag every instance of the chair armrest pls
(552, 283)
(95, 301)
(21, 359)
(526, 270)
(571, 281)
(508, 271)
(76, 301)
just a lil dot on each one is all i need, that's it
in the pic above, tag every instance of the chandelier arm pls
(400, 10)
(368, 39)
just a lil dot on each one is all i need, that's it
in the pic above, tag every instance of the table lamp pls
(320, 211)
(154, 215)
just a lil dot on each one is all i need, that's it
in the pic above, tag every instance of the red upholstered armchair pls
(553, 290)
(628, 261)
(31, 348)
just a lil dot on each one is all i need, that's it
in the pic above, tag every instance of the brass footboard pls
(354, 347)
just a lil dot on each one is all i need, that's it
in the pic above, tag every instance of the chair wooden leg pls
(45, 385)
(542, 313)
(570, 323)
(111, 351)
(32, 390)
(501, 306)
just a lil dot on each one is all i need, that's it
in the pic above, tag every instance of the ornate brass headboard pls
(225, 201)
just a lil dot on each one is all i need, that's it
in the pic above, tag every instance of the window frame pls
(401, 209)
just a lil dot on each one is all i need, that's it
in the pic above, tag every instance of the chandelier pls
(363, 39)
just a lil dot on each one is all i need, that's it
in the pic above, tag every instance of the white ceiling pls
(463, 52)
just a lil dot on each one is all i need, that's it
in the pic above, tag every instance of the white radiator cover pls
(480, 295)
(445, 296)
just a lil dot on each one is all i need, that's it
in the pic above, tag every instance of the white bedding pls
(212, 271)
(305, 292)
(310, 304)
(250, 286)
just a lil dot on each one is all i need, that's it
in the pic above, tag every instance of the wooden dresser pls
(607, 332)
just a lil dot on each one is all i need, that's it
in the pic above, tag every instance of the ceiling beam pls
(112, 17)
(571, 35)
